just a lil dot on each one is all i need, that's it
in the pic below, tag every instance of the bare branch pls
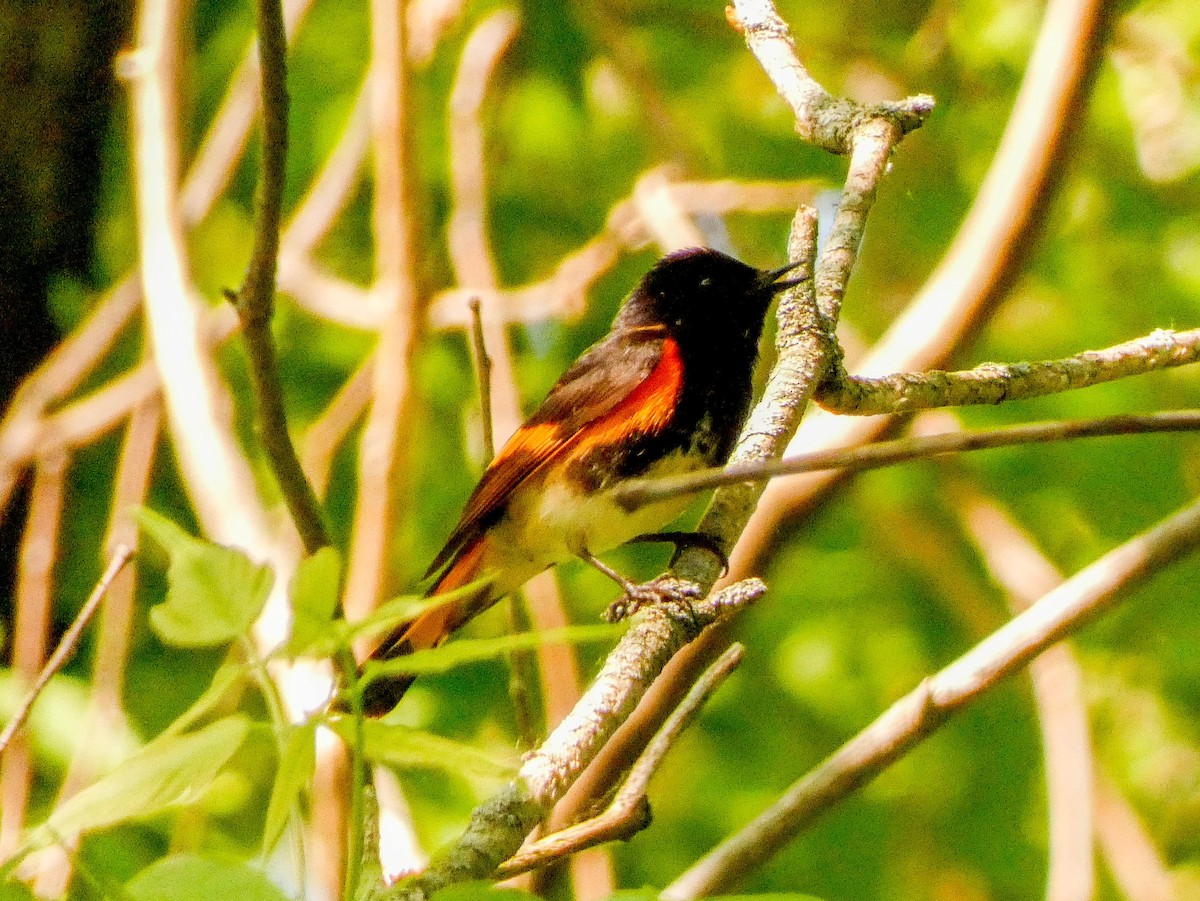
(906, 723)
(986, 251)
(993, 383)
(394, 221)
(68, 644)
(255, 301)
(216, 474)
(499, 826)
(34, 599)
(1025, 575)
(821, 119)
(629, 811)
(903, 450)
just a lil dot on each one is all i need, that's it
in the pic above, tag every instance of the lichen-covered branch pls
(993, 383)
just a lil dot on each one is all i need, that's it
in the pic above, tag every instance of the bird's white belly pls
(552, 522)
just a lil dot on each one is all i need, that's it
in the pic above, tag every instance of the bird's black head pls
(703, 292)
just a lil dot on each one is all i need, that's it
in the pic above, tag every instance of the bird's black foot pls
(684, 540)
(663, 590)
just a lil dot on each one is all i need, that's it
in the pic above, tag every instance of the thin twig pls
(34, 599)
(903, 450)
(68, 644)
(629, 812)
(483, 374)
(1056, 615)
(256, 300)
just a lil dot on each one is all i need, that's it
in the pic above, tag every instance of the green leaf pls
(226, 676)
(402, 746)
(15, 891)
(388, 615)
(315, 589)
(169, 772)
(448, 656)
(214, 593)
(297, 760)
(186, 877)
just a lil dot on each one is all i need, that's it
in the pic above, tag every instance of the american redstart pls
(665, 392)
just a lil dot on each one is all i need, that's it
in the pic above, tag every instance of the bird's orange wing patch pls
(645, 409)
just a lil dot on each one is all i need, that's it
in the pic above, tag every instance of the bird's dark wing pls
(626, 384)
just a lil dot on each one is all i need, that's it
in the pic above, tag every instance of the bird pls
(666, 391)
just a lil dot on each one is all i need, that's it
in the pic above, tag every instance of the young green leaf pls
(297, 760)
(169, 772)
(314, 598)
(214, 593)
(402, 746)
(224, 679)
(186, 877)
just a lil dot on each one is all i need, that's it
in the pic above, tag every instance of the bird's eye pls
(705, 282)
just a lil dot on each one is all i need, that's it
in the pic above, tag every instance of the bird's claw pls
(663, 590)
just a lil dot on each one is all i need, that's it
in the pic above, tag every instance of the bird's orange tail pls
(430, 628)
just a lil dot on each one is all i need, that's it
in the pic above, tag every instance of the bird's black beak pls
(770, 277)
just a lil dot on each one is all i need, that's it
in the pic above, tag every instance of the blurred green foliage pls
(871, 592)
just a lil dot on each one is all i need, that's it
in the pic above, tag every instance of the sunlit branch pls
(903, 450)
(66, 647)
(979, 263)
(629, 811)
(993, 383)
(1056, 615)
(34, 600)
